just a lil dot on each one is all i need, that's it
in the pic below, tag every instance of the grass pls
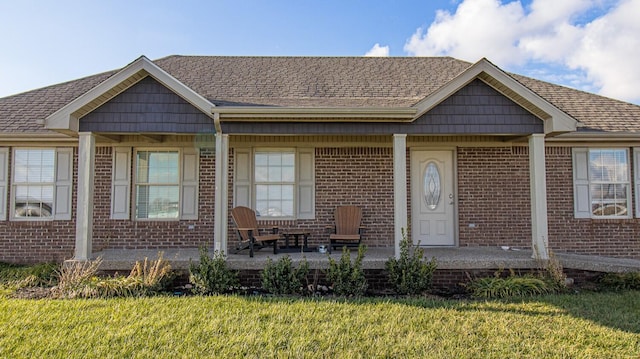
(577, 326)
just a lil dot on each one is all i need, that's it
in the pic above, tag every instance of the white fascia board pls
(557, 121)
(63, 119)
(262, 113)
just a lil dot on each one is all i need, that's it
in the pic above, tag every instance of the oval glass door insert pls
(432, 185)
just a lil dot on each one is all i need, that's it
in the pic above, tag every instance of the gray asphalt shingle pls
(316, 82)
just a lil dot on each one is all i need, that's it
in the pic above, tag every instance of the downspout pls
(220, 201)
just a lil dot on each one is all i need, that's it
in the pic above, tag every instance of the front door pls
(432, 198)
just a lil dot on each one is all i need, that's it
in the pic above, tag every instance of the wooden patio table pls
(296, 234)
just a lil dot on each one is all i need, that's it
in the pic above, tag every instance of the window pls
(41, 183)
(165, 185)
(274, 179)
(277, 183)
(157, 184)
(602, 183)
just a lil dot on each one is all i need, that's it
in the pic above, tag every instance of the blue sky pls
(587, 44)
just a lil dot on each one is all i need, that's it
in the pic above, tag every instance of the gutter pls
(307, 114)
(595, 136)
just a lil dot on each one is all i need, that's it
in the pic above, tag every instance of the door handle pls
(451, 198)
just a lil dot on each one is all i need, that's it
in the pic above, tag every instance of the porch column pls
(84, 211)
(399, 188)
(538, 179)
(221, 194)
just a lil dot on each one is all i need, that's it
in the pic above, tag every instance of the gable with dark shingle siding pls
(147, 107)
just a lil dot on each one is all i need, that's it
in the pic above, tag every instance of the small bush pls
(74, 279)
(551, 271)
(19, 276)
(348, 278)
(281, 278)
(211, 275)
(410, 274)
(79, 280)
(621, 281)
(511, 286)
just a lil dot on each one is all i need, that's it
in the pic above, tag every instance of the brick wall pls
(37, 241)
(346, 176)
(131, 234)
(493, 196)
(608, 237)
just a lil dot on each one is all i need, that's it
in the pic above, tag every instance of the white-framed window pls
(274, 182)
(165, 183)
(41, 183)
(602, 185)
(278, 183)
(157, 184)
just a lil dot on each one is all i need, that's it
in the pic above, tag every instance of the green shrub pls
(211, 275)
(621, 281)
(410, 274)
(281, 278)
(42, 274)
(511, 286)
(348, 278)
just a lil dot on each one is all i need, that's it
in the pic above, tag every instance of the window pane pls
(608, 165)
(275, 159)
(261, 159)
(154, 198)
(274, 173)
(275, 192)
(262, 192)
(158, 167)
(34, 178)
(288, 174)
(288, 159)
(157, 201)
(609, 187)
(287, 208)
(287, 192)
(34, 166)
(262, 173)
(33, 201)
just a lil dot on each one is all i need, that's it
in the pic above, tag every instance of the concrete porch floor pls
(375, 258)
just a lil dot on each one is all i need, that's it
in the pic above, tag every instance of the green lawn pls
(591, 325)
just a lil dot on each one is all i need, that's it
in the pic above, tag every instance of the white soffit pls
(66, 118)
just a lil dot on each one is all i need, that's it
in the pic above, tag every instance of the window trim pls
(14, 184)
(244, 186)
(135, 182)
(579, 182)
(255, 183)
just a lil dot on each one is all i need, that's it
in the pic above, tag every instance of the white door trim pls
(454, 190)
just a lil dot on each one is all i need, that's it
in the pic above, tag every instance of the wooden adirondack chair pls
(347, 230)
(249, 232)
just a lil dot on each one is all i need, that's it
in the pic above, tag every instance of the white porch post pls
(84, 211)
(221, 193)
(399, 188)
(538, 180)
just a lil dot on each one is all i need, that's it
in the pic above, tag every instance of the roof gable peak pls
(66, 119)
(556, 121)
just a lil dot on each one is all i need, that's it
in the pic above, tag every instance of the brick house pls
(154, 156)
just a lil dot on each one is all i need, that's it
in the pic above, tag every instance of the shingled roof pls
(316, 82)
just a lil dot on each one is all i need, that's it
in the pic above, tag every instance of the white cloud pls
(603, 48)
(378, 51)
